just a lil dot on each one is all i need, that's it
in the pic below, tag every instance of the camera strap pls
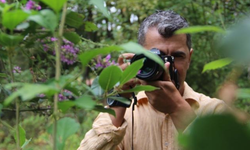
(133, 107)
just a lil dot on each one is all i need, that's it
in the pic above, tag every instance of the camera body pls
(152, 71)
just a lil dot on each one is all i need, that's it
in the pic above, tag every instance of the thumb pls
(166, 75)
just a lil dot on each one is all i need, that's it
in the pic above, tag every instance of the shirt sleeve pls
(103, 135)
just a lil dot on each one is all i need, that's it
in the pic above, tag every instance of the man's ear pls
(190, 55)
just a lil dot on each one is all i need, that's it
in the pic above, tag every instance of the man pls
(160, 114)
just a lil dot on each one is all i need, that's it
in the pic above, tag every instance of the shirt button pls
(166, 144)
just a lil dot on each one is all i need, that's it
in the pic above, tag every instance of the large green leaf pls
(243, 93)
(109, 77)
(195, 29)
(72, 37)
(65, 128)
(96, 88)
(90, 26)
(85, 57)
(100, 6)
(10, 40)
(100, 108)
(217, 64)
(131, 71)
(218, 132)
(120, 99)
(65, 105)
(56, 5)
(139, 88)
(74, 19)
(22, 135)
(135, 48)
(85, 102)
(28, 91)
(13, 18)
(46, 18)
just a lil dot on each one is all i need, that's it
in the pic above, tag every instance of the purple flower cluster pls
(65, 95)
(32, 5)
(16, 69)
(105, 62)
(3, 1)
(69, 52)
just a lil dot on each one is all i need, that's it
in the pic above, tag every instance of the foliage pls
(55, 62)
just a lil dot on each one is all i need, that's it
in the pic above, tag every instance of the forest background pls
(46, 65)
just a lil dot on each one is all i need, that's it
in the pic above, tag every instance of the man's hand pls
(168, 100)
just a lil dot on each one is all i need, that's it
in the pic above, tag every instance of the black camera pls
(152, 71)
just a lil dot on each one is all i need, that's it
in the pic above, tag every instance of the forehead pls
(154, 40)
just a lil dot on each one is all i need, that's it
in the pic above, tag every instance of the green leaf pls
(26, 143)
(120, 99)
(100, 108)
(72, 37)
(109, 77)
(131, 71)
(243, 93)
(3, 75)
(56, 5)
(195, 29)
(13, 18)
(65, 105)
(23, 26)
(29, 91)
(141, 88)
(217, 64)
(135, 48)
(96, 88)
(1, 107)
(65, 128)
(74, 19)
(46, 18)
(215, 129)
(85, 102)
(10, 40)
(90, 26)
(85, 57)
(22, 135)
(100, 6)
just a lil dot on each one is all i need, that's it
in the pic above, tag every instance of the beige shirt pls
(153, 130)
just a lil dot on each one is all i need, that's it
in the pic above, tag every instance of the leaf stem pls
(58, 72)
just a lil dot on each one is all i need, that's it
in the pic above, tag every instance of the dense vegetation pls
(51, 50)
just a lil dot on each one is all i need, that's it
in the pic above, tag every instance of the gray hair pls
(167, 23)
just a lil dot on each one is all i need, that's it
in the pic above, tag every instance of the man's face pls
(175, 46)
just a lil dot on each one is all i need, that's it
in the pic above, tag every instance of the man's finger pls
(125, 56)
(166, 75)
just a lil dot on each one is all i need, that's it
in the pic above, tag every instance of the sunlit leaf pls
(74, 19)
(46, 18)
(131, 71)
(135, 48)
(195, 29)
(85, 57)
(120, 99)
(13, 18)
(217, 64)
(56, 5)
(26, 143)
(90, 26)
(85, 102)
(243, 93)
(96, 88)
(29, 91)
(109, 77)
(65, 105)
(65, 128)
(139, 88)
(100, 4)
(22, 135)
